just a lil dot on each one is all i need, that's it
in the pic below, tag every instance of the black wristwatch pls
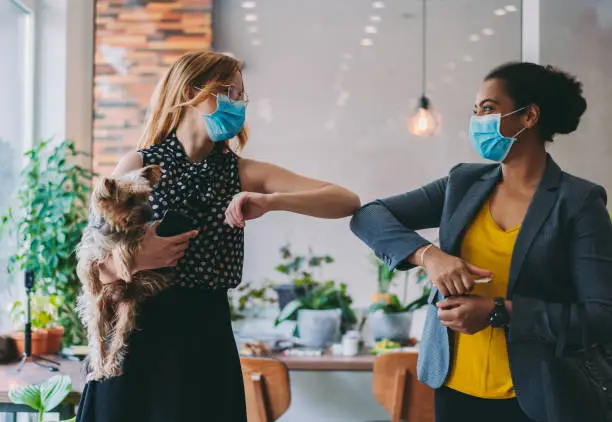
(499, 318)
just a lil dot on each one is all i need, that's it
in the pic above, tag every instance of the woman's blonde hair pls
(188, 82)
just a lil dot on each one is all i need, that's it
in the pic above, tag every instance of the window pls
(16, 120)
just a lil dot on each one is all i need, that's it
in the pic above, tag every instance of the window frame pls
(28, 8)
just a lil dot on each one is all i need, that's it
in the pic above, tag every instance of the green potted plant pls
(391, 320)
(299, 270)
(246, 297)
(47, 334)
(321, 314)
(385, 279)
(44, 397)
(48, 220)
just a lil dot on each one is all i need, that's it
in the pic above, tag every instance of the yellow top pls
(480, 365)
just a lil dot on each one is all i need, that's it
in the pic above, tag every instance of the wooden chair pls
(267, 388)
(397, 389)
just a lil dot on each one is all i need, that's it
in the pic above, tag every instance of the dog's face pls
(124, 201)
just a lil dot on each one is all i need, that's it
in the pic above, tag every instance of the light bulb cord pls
(424, 40)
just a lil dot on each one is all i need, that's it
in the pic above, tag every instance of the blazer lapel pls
(541, 205)
(468, 207)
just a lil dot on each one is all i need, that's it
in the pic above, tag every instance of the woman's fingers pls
(241, 201)
(477, 271)
(230, 215)
(467, 281)
(450, 287)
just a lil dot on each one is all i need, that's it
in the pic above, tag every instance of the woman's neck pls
(192, 134)
(525, 169)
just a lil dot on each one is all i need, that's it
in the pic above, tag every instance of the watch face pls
(499, 316)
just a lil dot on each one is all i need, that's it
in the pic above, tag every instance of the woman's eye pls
(487, 109)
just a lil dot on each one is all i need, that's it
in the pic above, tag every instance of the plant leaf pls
(28, 395)
(289, 312)
(54, 391)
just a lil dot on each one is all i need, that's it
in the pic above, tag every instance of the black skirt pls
(182, 365)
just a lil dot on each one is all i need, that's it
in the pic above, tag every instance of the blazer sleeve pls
(388, 226)
(591, 272)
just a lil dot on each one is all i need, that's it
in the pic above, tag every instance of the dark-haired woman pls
(519, 238)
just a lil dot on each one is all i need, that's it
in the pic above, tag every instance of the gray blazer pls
(563, 254)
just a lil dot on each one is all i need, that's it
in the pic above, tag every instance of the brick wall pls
(136, 41)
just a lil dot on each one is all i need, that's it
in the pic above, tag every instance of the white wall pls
(327, 107)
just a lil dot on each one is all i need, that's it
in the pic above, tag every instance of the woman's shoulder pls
(577, 189)
(129, 162)
(473, 170)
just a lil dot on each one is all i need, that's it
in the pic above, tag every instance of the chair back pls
(398, 390)
(267, 388)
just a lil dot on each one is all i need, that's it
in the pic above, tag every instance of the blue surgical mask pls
(487, 139)
(227, 121)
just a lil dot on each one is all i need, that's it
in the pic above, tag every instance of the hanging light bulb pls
(425, 121)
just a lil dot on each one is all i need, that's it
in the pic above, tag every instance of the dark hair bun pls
(566, 101)
(556, 93)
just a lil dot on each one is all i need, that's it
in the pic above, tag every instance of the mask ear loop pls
(515, 137)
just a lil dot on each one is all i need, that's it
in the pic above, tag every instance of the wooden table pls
(357, 363)
(34, 374)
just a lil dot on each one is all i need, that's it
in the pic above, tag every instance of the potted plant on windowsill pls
(299, 271)
(385, 279)
(247, 299)
(48, 221)
(47, 334)
(391, 320)
(321, 314)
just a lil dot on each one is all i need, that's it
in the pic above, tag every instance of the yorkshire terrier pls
(118, 221)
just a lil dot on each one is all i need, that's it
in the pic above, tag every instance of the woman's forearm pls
(329, 201)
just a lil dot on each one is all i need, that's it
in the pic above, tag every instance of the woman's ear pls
(531, 116)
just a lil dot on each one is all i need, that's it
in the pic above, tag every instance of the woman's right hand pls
(451, 275)
(161, 252)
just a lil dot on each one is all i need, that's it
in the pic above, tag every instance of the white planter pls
(393, 326)
(318, 329)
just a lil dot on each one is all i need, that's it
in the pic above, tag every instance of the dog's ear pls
(152, 173)
(108, 187)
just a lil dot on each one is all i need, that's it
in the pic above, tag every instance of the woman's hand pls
(161, 252)
(246, 206)
(451, 275)
(465, 314)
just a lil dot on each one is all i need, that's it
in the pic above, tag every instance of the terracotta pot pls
(381, 297)
(54, 340)
(39, 341)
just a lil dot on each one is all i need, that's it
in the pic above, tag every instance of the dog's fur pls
(120, 213)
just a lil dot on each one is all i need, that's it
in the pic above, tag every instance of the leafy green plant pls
(300, 269)
(48, 220)
(246, 296)
(43, 311)
(323, 296)
(394, 305)
(43, 397)
(385, 276)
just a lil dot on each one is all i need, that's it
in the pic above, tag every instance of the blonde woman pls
(182, 363)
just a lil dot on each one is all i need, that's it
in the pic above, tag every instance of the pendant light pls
(426, 120)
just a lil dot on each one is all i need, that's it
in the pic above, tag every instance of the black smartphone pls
(174, 223)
